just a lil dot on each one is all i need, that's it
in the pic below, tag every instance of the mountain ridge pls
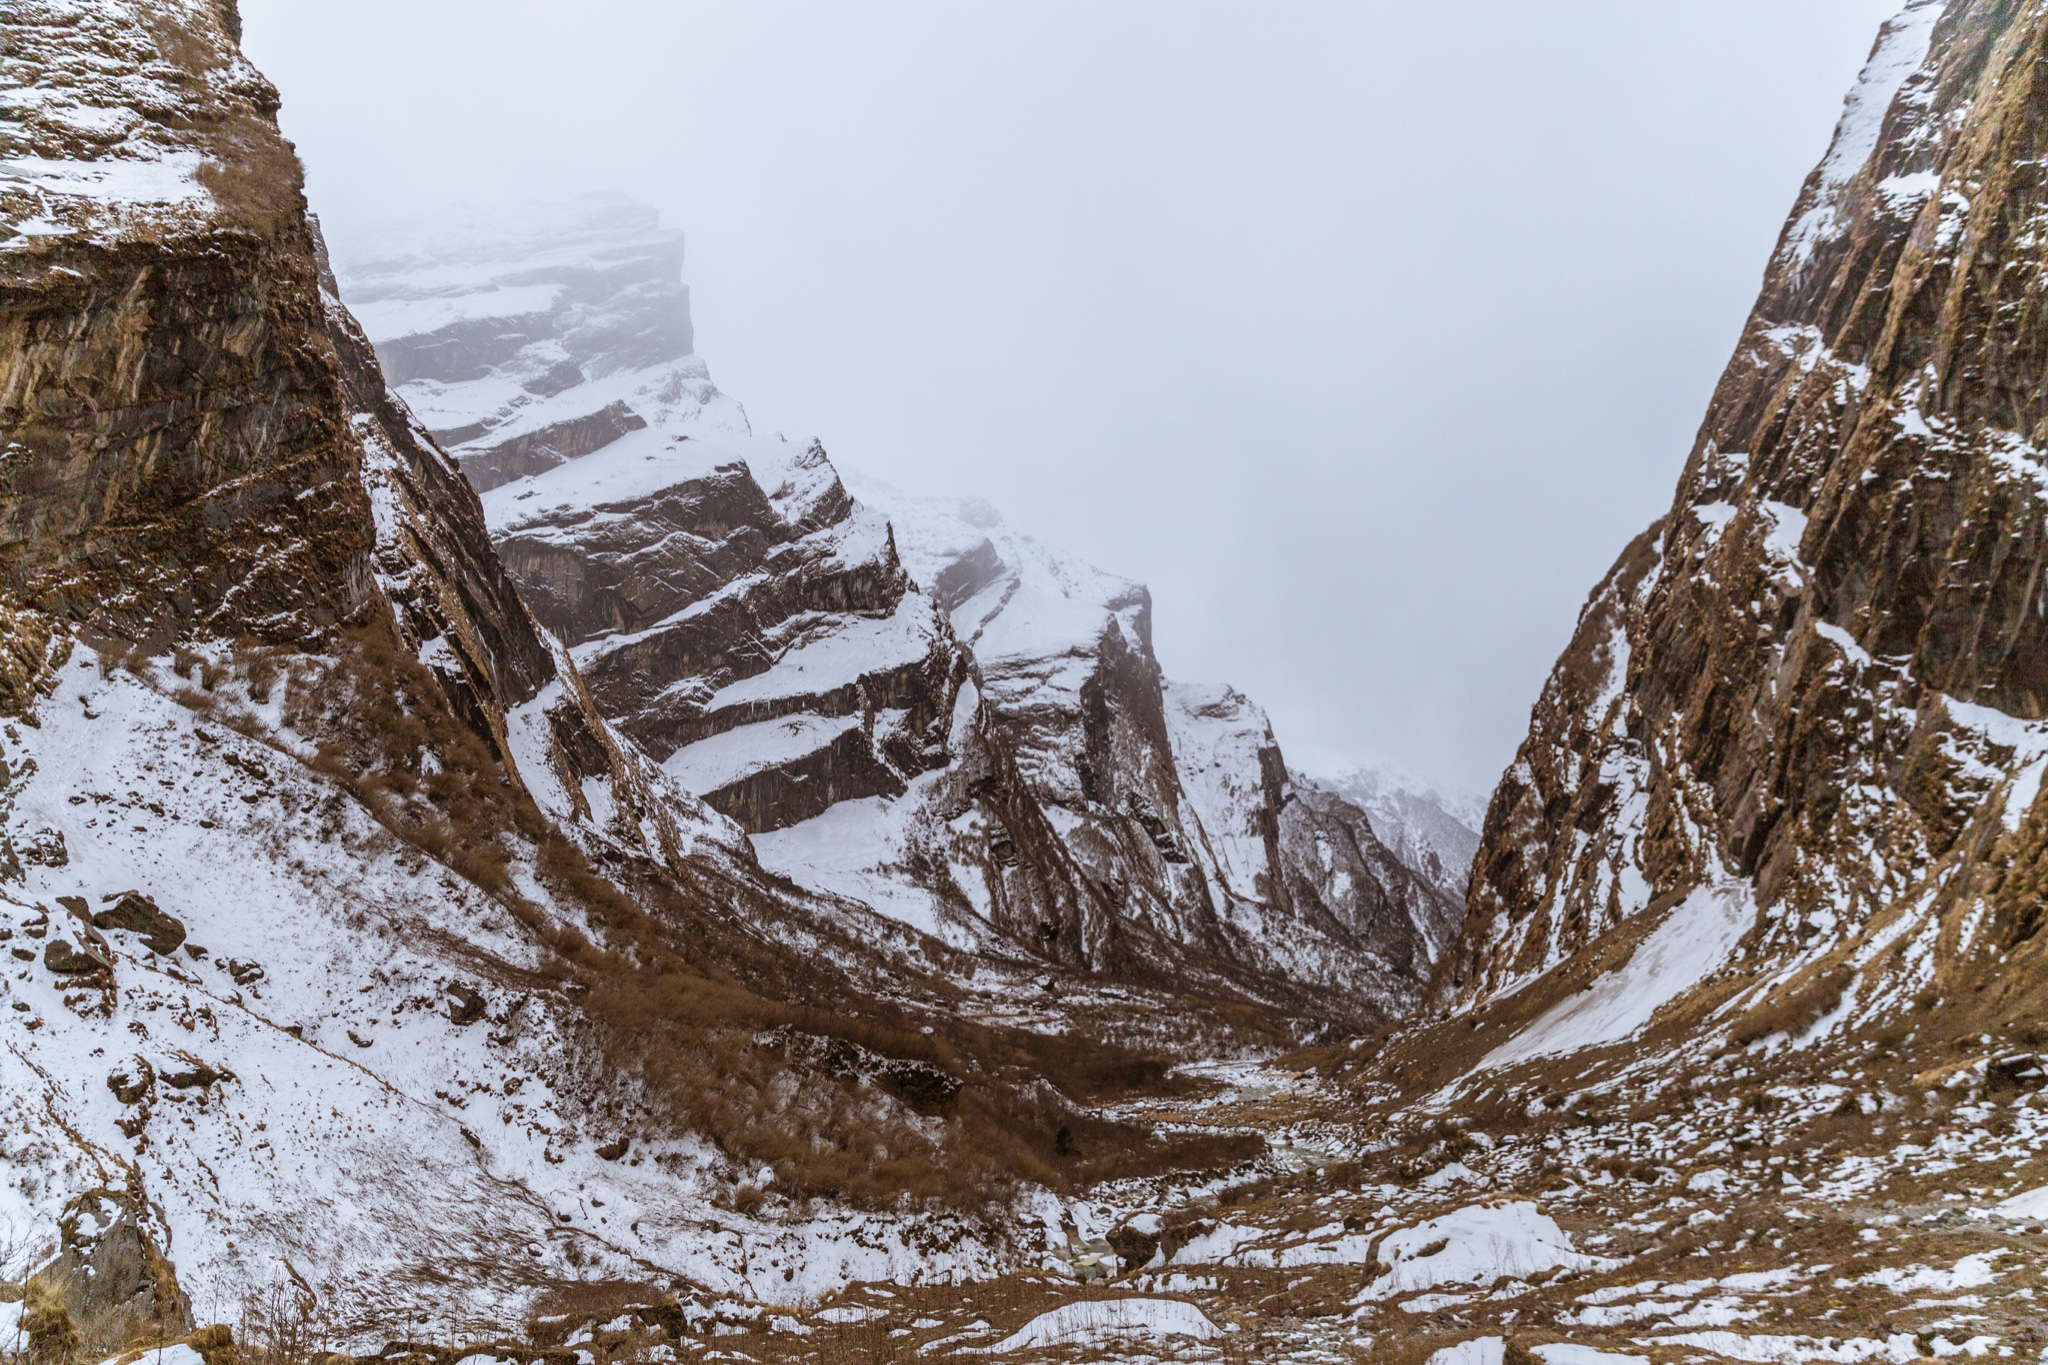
(957, 723)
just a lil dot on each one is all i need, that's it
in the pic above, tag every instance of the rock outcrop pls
(1802, 724)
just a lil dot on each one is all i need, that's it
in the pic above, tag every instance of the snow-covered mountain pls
(904, 702)
(1436, 834)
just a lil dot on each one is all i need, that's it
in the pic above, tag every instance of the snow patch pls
(1971, 1272)
(1564, 1353)
(1091, 1322)
(165, 1355)
(1790, 1350)
(2028, 1204)
(720, 761)
(1908, 191)
(171, 178)
(1680, 953)
(639, 465)
(854, 648)
(1475, 1245)
(386, 320)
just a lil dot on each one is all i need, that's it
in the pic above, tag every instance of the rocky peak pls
(1174, 801)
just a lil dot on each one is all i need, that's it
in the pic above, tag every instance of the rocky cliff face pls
(1172, 804)
(905, 703)
(1801, 724)
(729, 605)
(165, 407)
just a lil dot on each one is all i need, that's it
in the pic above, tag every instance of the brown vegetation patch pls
(1794, 1007)
(693, 1023)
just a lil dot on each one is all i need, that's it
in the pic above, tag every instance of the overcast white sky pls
(1365, 333)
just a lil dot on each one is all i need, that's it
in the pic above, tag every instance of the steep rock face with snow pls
(1174, 799)
(735, 612)
(1435, 834)
(1798, 737)
(903, 702)
(1756, 917)
(730, 607)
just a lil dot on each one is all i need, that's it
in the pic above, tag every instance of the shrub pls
(46, 1321)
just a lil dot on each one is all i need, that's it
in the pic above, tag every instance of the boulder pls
(138, 914)
(110, 1265)
(61, 957)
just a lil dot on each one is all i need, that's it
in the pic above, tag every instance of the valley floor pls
(1841, 1213)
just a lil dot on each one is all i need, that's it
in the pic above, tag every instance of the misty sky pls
(1365, 333)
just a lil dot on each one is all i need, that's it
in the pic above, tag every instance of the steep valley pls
(500, 861)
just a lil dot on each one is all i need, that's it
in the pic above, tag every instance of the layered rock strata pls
(901, 700)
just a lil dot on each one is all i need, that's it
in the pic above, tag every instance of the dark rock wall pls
(176, 461)
(1342, 880)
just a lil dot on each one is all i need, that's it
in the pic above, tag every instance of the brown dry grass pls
(253, 174)
(1794, 1008)
(283, 1323)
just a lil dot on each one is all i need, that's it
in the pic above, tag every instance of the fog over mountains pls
(503, 860)
(902, 700)
(1362, 376)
